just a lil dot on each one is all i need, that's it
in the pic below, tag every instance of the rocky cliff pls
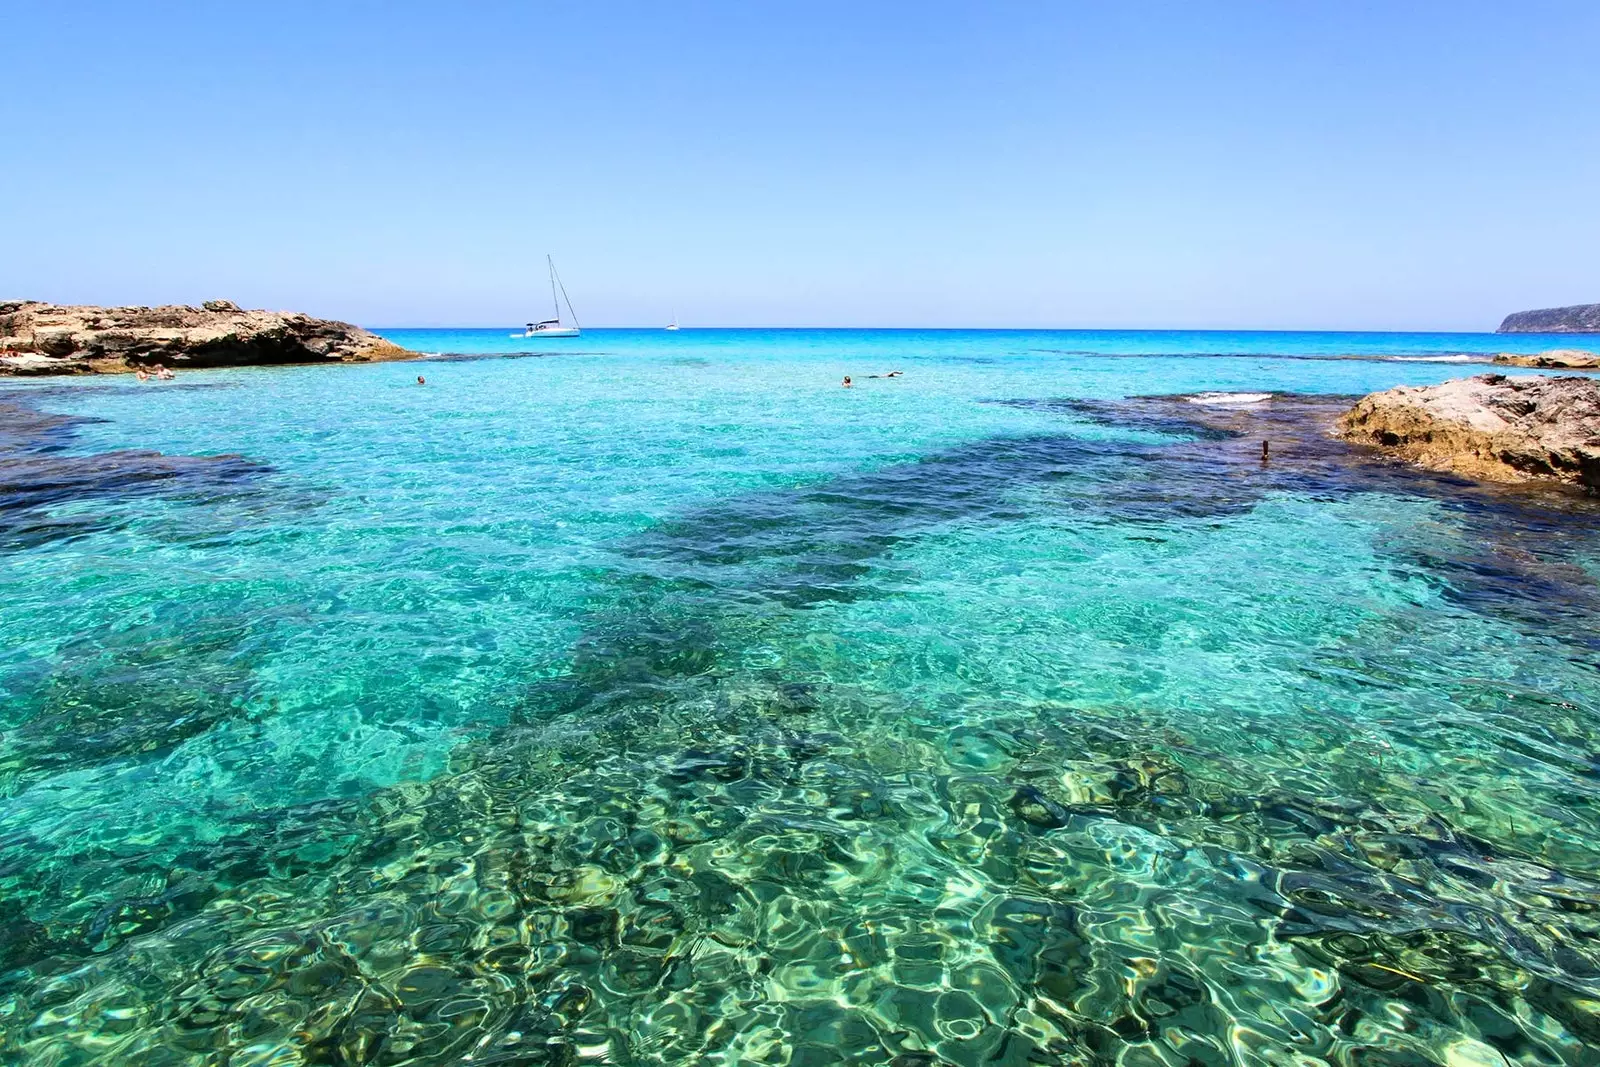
(1580, 318)
(1490, 427)
(37, 338)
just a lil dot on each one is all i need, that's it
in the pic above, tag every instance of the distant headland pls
(1579, 318)
(39, 338)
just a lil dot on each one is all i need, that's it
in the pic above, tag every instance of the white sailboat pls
(554, 327)
(673, 325)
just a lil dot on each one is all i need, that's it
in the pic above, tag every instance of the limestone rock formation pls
(1489, 426)
(1579, 318)
(1559, 358)
(38, 338)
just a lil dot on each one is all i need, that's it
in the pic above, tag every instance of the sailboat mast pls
(554, 303)
(564, 295)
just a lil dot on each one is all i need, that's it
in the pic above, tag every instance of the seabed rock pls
(1490, 427)
(38, 338)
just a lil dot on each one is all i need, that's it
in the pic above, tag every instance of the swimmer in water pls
(143, 375)
(847, 381)
(421, 380)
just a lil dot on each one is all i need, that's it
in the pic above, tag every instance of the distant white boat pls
(554, 327)
(673, 325)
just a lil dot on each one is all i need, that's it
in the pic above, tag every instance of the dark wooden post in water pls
(1265, 448)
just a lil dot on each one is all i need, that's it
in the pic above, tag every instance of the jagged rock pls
(1579, 318)
(38, 338)
(1563, 358)
(1489, 426)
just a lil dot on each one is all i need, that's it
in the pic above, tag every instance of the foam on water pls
(1229, 398)
(659, 701)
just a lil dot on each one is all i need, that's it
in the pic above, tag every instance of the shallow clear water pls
(653, 699)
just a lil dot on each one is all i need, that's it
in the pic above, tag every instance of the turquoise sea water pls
(649, 698)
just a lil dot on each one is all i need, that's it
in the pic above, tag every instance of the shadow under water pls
(39, 474)
(685, 849)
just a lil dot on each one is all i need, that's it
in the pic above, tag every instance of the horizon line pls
(1025, 329)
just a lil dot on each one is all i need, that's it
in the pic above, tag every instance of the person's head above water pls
(847, 381)
(421, 380)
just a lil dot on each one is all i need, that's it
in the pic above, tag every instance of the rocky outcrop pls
(1490, 427)
(1579, 318)
(37, 338)
(1556, 358)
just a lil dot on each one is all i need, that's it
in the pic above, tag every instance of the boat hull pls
(554, 331)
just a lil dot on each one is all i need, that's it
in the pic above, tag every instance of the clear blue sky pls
(1277, 164)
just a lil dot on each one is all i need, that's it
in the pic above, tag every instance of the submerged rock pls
(39, 470)
(1036, 809)
(38, 338)
(1489, 426)
(1567, 358)
(1579, 318)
